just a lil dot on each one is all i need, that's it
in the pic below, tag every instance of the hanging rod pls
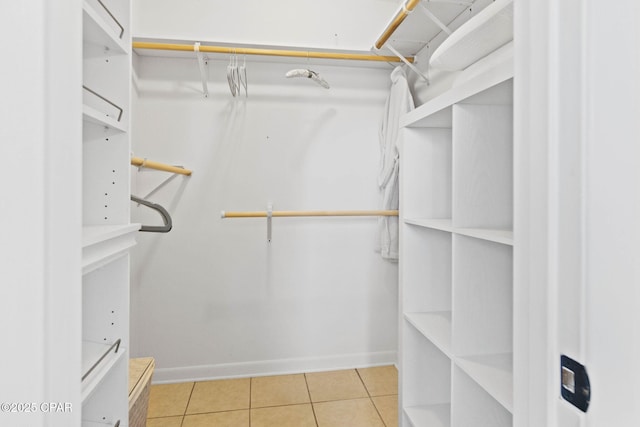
(265, 214)
(137, 161)
(407, 8)
(267, 52)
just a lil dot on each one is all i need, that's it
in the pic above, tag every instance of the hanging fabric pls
(398, 103)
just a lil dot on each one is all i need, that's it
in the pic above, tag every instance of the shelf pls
(97, 31)
(102, 244)
(92, 116)
(435, 224)
(421, 116)
(494, 373)
(91, 353)
(99, 424)
(429, 415)
(497, 236)
(476, 38)
(472, 405)
(436, 327)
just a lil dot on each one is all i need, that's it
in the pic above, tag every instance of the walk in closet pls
(356, 204)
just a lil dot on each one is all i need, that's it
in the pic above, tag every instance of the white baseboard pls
(272, 367)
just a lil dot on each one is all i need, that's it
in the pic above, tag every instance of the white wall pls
(212, 298)
(353, 24)
(40, 238)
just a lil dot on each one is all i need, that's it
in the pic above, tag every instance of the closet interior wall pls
(212, 298)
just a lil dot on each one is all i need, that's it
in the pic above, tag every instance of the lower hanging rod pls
(267, 52)
(265, 214)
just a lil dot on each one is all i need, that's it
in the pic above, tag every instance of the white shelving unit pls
(107, 233)
(456, 274)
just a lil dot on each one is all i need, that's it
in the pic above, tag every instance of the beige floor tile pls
(387, 407)
(381, 380)
(347, 413)
(164, 422)
(218, 419)
(335, 385)
(278, 390)
(166, 400)
(219, 396)
(283, 416)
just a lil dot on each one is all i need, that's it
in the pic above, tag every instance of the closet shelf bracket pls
(202, 64)
(409, 64)
(435, 19)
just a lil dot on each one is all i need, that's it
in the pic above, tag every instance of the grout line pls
(377, 411)
(250, 407)
(363, 383)
(313, 409)
(188, 401)
(371, 398)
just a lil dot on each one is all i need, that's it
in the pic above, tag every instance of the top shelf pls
(470, 91)
(100, 28)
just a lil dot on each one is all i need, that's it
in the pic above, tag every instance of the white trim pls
(272, 367)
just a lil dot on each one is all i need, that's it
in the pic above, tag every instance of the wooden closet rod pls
(407, 8)
(267, 52)
(265, 214)
(137, 161)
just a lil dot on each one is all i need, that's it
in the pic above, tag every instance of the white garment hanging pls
(399, 102)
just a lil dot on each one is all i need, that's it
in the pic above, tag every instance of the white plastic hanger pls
(308, 73)
(231, 75)
(242, 77)
(303, 72)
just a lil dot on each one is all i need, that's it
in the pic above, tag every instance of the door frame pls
(577, 208)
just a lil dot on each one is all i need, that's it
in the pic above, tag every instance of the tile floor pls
(348, 398)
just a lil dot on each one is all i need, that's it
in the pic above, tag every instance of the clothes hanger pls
(306, 72)
(242, 74)
(236, 73)
(302, 72)
(230, 77)
(166, 218)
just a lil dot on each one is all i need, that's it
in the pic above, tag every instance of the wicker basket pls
(140, 373)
